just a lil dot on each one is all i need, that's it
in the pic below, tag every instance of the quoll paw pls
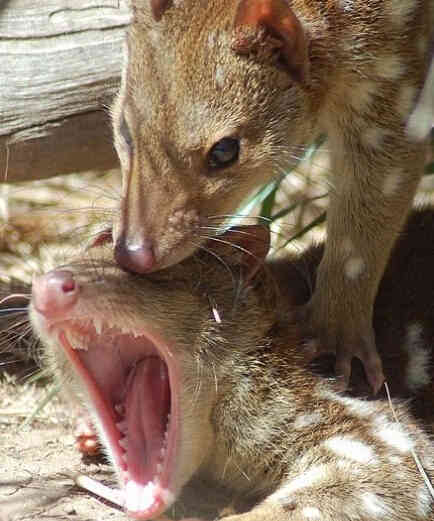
(347, 337)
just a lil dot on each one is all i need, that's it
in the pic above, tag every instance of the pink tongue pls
(147, 406)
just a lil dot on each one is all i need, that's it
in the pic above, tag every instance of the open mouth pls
(131, 380)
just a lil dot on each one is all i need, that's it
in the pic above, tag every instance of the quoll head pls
(213, 94)
(143, 354)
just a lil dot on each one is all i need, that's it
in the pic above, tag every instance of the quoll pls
(198, 374)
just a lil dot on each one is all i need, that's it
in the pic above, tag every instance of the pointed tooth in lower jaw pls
(139, 498)
(147, 496)
(132, 496)
(97, 324)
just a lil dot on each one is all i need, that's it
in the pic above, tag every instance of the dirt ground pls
(39, 461)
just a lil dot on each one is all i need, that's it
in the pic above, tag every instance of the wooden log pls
(60, 63)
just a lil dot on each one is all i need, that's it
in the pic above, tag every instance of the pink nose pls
(138, 258)
(54, 293)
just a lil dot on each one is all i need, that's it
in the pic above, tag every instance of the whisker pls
(239, 216)
(15, 295)
(15, 325)
(230, 230)
(228, 243)
(10, 311)
(226, 266)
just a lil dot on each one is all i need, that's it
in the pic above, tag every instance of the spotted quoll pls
(221, 96)
(197, 377)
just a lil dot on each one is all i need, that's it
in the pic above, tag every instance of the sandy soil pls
(39, 461)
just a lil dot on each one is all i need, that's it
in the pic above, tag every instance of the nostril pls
(68, 286)
(137, 257)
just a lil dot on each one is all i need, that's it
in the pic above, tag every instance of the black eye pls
(125, 132)
(224, 153)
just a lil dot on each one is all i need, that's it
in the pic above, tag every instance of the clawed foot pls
(347, 338)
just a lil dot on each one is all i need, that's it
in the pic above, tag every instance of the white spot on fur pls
(420, 122)
(360, 408)
(310, 347)
(414, 333)
(395, 460)
(354, 267)
(393, 435)
(400, 10)
(362, 95)
(406, 99)
(423, 501)
(311, 513)
(374, 505)
(347, 246)
(219, 76)
(391, 182)
(351, 449)
(373, 137)
(347, 5)
(307, 479)
(154, 37)
(419, 360)
(390, 67)
(307, 420)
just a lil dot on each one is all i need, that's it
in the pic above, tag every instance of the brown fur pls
(275, 73)
(257, 422)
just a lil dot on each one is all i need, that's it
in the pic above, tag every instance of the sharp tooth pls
(132, 496)
(147, 497)
(120, 408)
(125, 460)
(125, 330)
(78, 342)
(97, 324)
(159, 468)
(123, 442)
(122, 427)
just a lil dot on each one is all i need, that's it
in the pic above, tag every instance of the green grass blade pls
(50, 394)
(319, 220)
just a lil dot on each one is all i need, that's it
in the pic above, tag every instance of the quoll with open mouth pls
(195, 372)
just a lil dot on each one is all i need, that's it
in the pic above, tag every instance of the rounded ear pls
(243, 246)
(158, 7)
(260, 21)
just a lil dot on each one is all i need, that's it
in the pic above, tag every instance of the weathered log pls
(60, 64)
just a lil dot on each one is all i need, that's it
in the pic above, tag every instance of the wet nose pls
(55, 292)
(136, 257)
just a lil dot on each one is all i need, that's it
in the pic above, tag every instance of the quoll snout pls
(55, 292)
(137, 256)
